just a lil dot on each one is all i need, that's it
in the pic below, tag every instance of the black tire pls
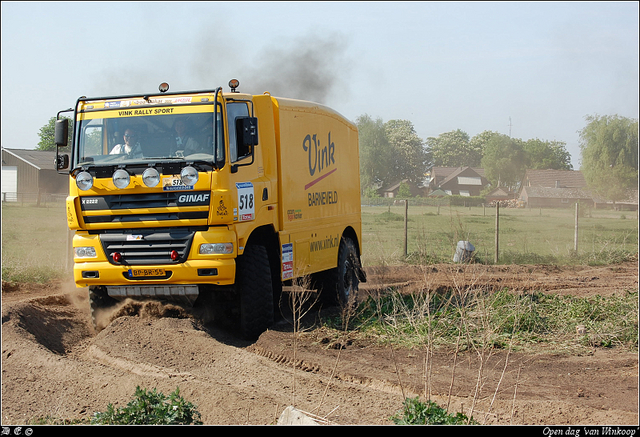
(253, 279)
(341, 284)
(99, 300)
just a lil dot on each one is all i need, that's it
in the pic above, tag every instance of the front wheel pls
(253, 279)
(99, 301)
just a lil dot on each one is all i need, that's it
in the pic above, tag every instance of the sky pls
(525, 69)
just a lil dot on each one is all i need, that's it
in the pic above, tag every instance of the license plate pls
(143, 273)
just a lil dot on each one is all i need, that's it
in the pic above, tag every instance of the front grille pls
(148, 246)
(131, 202)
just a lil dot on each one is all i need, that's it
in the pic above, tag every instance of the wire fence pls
(39, 199)
(431, 231)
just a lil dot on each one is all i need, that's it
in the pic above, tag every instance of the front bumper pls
(215, 272)
(193, 269)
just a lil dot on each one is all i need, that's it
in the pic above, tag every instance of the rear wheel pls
(341, 285)
(253, 279)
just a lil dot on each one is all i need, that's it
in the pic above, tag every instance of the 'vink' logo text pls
(320, 156)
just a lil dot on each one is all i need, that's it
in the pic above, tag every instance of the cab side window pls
(235, 110)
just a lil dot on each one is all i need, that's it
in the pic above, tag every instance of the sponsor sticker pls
(174, 183)
(287, 261)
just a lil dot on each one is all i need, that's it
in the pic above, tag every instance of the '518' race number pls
(246, 207)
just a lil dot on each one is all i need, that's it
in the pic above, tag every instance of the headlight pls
(84, 180)
(151, 177)
(216, 248)
(84, 252)
(189, 175)
(121, 178)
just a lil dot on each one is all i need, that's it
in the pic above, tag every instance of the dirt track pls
(53, 364)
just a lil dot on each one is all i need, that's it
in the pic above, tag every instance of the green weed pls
(415, 412)
(151, 408)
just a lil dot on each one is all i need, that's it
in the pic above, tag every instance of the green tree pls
(547, 155)
(453, 149)
(389, 152)
(404, 191)
(409, 156)
(609, 149)
(47, 134)
(478, 144)
(375, 152)
(504, 161)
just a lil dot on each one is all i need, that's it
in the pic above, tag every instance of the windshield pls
(123, 140)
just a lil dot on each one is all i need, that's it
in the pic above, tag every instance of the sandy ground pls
(54, 364)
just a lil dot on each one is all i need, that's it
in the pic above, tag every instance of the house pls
(463, 181)
(628, 203)
(27, 175)
(392, 190)
(554, 179)
(437, 193)
(500, 194)
(545, 197)
(554, 188)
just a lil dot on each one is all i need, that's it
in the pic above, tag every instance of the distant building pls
(463, 181)
(554, 179)
(500, 194)
(392, 190)
(30, 174)
(554, 188)
(543, 197)
(629, 203)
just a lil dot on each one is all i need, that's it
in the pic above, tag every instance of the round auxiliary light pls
(233, 84)
(175, 256)
(151, 177)
(164, 87)
(121, 178)
(117, 256)
(84, 180)
(189, 175)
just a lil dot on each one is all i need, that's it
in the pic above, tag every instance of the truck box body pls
(159, 213)
(319, 181)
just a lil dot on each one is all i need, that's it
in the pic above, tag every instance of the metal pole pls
(575, 235)
(495, 258)
(406, 211)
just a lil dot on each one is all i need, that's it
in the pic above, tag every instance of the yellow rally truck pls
(211, 198)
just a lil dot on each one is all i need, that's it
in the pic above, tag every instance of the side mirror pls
(61, 136)
(62, 132)
(246, 139)
(62, 162)
(247, 131)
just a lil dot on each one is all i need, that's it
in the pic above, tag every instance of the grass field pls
(35, 243)
(35, 240)
(525, 235)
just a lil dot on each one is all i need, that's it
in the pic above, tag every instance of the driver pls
(130, 146)
(185, 142)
